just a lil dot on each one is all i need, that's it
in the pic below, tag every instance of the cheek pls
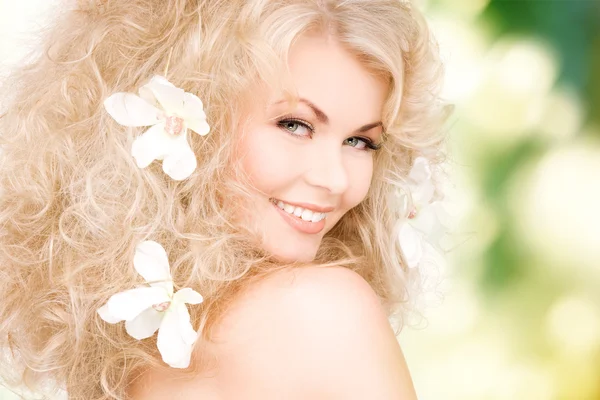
(263, 160)
(360, 172)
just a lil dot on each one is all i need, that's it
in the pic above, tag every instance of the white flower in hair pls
(419, 233)
(148, 309)
(169, 111)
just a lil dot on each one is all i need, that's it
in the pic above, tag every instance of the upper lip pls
(312, 207)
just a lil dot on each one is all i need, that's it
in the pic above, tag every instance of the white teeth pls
(304, 214)
(307, 215)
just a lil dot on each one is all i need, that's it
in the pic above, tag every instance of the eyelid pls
(290, 117)
(374, 146)
(369, 143)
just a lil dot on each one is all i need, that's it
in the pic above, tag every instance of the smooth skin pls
(308, 333)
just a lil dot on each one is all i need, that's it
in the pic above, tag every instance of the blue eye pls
(356, 143)
(362, 143)
(295, 126)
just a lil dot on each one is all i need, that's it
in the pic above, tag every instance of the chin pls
(289, 253)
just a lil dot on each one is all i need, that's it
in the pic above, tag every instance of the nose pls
(327, 170)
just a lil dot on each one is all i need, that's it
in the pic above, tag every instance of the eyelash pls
(369, 145)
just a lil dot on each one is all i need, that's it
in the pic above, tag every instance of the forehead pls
(325, 73)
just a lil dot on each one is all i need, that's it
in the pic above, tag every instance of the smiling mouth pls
(300, 219)
(304, 214)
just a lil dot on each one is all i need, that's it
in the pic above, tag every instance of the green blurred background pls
(520, 317)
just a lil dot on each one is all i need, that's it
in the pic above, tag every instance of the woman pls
(227, 178)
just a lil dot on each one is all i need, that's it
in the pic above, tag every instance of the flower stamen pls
(412, 214)
(174, 125)
(162, 306)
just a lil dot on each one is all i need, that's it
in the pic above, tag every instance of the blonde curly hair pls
(74, 205)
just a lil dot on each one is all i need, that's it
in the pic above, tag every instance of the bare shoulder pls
(313, 332)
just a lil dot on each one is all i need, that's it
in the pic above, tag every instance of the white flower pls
(148, 309)
(423, 228)
(169, 111)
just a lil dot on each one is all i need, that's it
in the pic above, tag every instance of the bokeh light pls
(521, 314)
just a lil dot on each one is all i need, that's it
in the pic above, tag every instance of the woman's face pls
(312, 163)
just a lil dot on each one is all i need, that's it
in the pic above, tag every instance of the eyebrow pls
(324, 119)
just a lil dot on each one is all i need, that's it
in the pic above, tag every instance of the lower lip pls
(300, 224)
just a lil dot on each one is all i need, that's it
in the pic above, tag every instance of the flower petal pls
(426, 220)
(189, 296)
(130, 110)
(188, 334)
(411, 244)
(144, 325)
(444, 215)
(129, 304)
(193, 113)
(154, 144)
(162, 80)
(422, 194)
(181, 161)
(147, 94)
(105, 314)
(152, 263)
(421, 170)
(192, 107)
(200, 126)
(171, 98)
(176, 337)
